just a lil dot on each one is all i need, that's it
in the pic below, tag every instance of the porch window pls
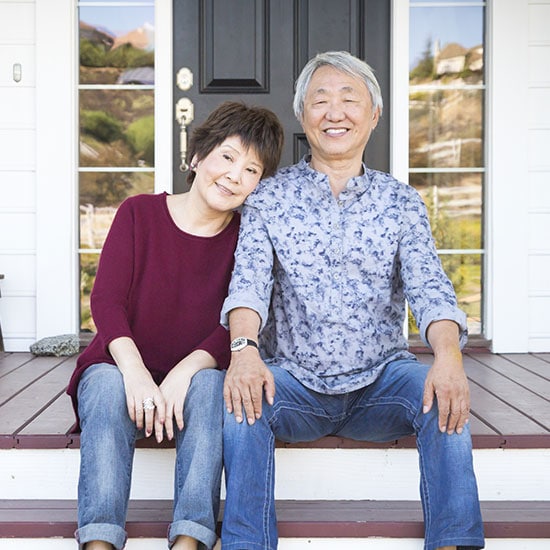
(446, 139)
(116, 122)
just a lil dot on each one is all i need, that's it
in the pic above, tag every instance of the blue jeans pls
(388, 409)
(107, 446)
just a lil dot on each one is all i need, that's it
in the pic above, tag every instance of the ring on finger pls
(148, 404)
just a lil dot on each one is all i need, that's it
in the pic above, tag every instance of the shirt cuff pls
(234, 301)
(445, 314)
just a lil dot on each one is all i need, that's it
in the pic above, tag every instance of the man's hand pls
(446, 379)
(246, 380)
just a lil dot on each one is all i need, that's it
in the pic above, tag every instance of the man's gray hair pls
(342, 61)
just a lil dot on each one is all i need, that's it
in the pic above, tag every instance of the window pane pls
(117, 45)
(446, 128)
(117, 128)
(446, 42)
(100, 195)
(454, 203)
(465, 272)
(88, 270)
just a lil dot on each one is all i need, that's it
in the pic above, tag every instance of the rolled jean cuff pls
(107, 532)
(191, 529)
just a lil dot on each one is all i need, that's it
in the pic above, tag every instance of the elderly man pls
(328, 252)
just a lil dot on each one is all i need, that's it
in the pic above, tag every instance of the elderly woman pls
(156, 363)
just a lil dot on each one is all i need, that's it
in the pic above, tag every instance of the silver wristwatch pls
(241, 342)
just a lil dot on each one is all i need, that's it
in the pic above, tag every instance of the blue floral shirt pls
(329, 276)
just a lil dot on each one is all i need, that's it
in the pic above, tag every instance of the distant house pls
(451, 59)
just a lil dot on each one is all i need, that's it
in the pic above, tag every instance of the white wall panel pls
(539, 17)
(17, 108)
(17, 190)
(539, 232)
(539, 146)
(17, 22)
(539, 67)
(18, 314)
(17, 231)
(539, 274)
(539, 107)
(19, 275)
(539, 190)
(18, 152)
(23, 54)
(539, 316)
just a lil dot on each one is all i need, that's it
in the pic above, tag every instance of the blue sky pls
(118, 20)
(463, 25)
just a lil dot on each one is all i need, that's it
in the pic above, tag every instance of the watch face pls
(238, 344)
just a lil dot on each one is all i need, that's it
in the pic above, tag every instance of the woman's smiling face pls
(228, 174)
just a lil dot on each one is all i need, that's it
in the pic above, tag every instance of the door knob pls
(185, 112)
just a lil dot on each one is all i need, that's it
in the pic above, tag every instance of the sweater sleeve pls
(217, 345)
(110, 295)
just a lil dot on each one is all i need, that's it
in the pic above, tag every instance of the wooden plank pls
(11, 361)
(25, 376)
(56, 419)
(19, 410)
(533, 363)
(301, 519)
(519, 398)
(524, 369)
(501, 417)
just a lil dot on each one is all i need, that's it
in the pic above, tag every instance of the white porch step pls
(347, 474)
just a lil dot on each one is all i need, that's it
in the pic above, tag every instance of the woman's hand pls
(140, 387)
(176, 384)
(174, 389)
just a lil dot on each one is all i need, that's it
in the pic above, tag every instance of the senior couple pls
(313, 292)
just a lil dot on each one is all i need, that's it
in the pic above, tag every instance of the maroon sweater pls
(160, 286)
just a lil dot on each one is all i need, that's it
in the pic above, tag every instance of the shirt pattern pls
(329, 276)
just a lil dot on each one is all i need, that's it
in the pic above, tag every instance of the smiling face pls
(338, 116)
(227, 175)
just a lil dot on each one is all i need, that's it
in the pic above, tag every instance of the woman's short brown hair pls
(257, 127)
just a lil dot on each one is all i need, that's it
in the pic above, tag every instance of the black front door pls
(253, 51)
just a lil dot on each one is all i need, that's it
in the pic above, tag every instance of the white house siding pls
(17, 174)
(38, 177)
(538, 178)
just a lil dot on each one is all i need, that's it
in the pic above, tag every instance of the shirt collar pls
(355, 185)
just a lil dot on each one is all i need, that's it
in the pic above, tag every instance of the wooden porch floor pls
(510, 402)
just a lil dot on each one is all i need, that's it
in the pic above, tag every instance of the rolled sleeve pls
(429, 291)
(252, 279)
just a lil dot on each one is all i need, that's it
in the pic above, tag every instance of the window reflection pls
(446, 42)
(446, 138)
(116, 101)
(454, 204)
(117, 45)
(446, 128)
(117, 128)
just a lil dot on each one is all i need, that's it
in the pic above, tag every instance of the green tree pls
(425, 68)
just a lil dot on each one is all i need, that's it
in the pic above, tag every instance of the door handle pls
(185, 113)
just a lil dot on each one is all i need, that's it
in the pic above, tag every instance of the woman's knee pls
(101, 393)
